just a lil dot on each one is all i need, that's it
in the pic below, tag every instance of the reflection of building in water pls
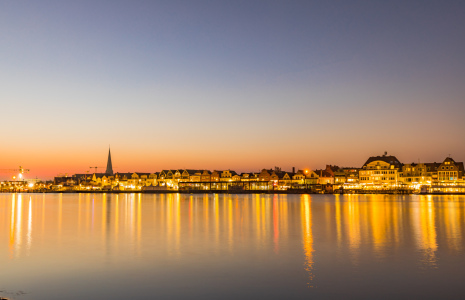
(386, 224)
(275, 223)
(353, 227)
(453, 219)
(106, 223)
(15, 226)
(358, 226)
(307, 236)
(425, 230)
(368, 222)
(29, 227)
(12, 226)
(353, 218)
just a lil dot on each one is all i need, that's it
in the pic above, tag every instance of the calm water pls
(133, 246)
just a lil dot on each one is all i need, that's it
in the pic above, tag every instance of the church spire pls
(109, 166)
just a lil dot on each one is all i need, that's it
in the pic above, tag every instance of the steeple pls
(109, 166)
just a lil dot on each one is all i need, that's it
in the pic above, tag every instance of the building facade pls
(380, 172)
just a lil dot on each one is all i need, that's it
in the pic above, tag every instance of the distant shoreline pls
(293, 192)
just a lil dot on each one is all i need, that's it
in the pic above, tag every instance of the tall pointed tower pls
(109, 166)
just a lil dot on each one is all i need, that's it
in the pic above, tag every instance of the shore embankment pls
(284, 192)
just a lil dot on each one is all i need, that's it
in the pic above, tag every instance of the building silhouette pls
(109, 170)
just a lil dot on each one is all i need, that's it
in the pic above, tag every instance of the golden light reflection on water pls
(139, 223)
(452, 218)
(29, 227)
(275, 224)
(171, 225)
(60, 214)
(338, 219)
(12, 226)
(116, 218)
(307, 236)
(18, 226)
(104, 216)
(217, 217)
(382, 225)
(229, 212)
(354, 227)
(425, 231)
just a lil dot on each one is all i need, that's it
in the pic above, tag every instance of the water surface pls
(138, 246)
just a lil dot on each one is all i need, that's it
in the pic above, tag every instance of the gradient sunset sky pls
(240, 85)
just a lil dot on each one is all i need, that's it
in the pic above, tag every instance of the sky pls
(241, 85)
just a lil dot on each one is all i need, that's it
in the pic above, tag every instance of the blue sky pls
(241, 85)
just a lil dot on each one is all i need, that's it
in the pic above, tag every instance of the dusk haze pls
(243, 85)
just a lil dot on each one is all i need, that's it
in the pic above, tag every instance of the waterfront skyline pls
(243, 86)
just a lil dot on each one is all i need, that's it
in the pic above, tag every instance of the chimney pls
(293, 169)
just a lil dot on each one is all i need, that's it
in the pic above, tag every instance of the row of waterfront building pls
(379, 173)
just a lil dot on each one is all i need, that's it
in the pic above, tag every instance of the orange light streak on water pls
(12, 226)
(307, 236)
(276, 224)
(29, 227)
